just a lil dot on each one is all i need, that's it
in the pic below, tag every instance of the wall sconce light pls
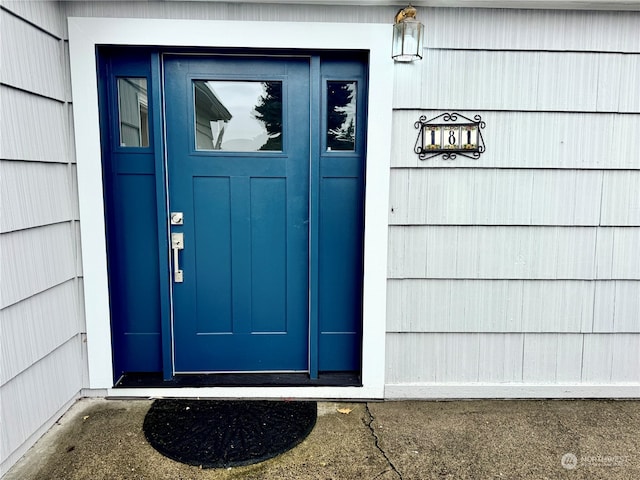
(407, 36)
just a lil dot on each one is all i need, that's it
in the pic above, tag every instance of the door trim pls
(85, 34)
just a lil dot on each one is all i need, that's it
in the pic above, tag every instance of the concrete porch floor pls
(485, 439)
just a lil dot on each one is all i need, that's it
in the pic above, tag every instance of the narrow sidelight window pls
(341, 116)
(133, 111)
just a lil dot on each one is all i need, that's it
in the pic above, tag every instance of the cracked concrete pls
(369, 423)
(103, 439)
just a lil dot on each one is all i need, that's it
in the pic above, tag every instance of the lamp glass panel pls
(407, 41)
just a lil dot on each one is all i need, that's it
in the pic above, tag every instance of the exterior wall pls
(516, 272)
(41, 316)
(520, 268)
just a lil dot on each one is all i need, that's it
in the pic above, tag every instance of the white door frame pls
(86, 33)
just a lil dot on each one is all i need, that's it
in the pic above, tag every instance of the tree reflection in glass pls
(341, 115)
(240, 116)
(269, 112)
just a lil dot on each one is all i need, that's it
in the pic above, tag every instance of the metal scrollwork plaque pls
(449, 135)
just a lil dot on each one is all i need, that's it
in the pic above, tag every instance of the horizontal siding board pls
(66, 72)
(38, 393)
(621, 198)
(517, 80)
(34, 194)
(609, 82)
(37, 59)
(82, 321)
(35, 327)
(508, 80)
(551, 358)
(70, 146)
(617, 83)
(441, 358)
(617, 307)
(604, 253)
(233, 11)
(493, 252)
(626, 358)
(500, 358)
(490, 306)
(512, 358)
(617, 253)
(629, 100)
(77, 248)
(568, 81)
(568, 355)
(611, 358)
(520, 29)
(47, 15)
(479, 80)
(557, 306)
(531, 140)
(495, 197)
(597, 358)
(32, 127)
(35, 260)
(75, 199)
(407, 83)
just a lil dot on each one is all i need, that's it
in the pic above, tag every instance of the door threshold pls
(154, 380)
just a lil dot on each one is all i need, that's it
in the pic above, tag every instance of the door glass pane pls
(239, 116)
(341, 116)
(133, 109)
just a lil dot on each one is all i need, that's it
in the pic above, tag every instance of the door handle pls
(177, 244)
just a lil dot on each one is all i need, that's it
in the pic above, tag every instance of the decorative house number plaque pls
(449, 135)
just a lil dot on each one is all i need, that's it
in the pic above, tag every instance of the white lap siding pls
(41, 314)
(520, 268)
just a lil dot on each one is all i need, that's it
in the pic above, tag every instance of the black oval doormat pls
(221, 433)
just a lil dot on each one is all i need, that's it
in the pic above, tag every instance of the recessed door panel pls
(213, 276)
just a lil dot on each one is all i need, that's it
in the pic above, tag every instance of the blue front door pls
(238, 142)
(254, 166)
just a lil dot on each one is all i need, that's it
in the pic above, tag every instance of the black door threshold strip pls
(154, 380)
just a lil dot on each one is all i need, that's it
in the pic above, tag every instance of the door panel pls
(243, 304)
(212, 227)
(269, 254)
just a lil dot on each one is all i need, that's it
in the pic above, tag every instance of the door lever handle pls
(177, 244)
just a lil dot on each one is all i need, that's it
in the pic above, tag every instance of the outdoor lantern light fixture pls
(407, 36)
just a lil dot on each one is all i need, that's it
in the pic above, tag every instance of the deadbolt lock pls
(177, 218)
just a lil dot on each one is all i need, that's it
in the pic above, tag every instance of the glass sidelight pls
(341, 116)
(133, 112)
